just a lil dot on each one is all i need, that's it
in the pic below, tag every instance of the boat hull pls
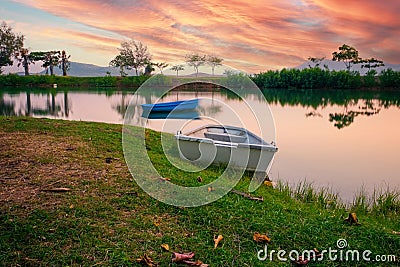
(224, 150)
(171, 106)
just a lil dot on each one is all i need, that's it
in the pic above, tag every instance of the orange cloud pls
(254, 35)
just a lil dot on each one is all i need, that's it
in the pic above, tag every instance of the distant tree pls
(316, 61)
(50, 60)
(23, 57)
(195, 60)
(371, 63)
(26, 57)
(214, 61)
(64, 62)
(149, 69)
(347, 54)
(134, 55)
(177, 68)
(10, 43)
(119, 62)
(161, 66)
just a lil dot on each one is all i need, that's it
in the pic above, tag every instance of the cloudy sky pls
(252, 36)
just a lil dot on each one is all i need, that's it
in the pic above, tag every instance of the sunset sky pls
(252, 36)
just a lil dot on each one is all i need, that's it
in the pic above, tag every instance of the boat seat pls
(225, 137)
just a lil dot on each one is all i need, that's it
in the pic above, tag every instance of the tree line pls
(316, 77)
(12, 48)
(134, 55)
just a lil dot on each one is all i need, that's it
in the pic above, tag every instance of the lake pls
(341, 139)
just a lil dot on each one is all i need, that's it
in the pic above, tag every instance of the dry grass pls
(32, 163)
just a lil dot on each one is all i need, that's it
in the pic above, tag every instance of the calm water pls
(344, 140)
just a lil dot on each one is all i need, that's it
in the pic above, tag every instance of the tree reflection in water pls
(354, 103)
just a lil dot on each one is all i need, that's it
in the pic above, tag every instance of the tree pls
(161, 66)
(10, 43)
(64, 62)
(316, 60)
(118, 62)
(371, 63)
(177, 68)
(347, 54)
(195, 60)
(148, 69)
(50, 60)
(23, 57)
(214, 61)
(26, 57)
(133, 55)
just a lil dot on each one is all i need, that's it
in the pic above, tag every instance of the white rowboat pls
(222, 144)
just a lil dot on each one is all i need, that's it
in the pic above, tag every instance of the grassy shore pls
(104, 219)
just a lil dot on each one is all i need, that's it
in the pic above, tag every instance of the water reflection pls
(57, 104)
(364, 152)
(352, 103)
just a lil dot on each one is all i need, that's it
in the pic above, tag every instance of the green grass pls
(107, 220)
(47, 81)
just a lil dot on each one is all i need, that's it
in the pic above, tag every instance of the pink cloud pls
(265, 33)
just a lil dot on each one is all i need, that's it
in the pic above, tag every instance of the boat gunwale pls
(262, 146)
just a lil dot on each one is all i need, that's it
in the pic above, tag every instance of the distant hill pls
(86, 70)
(335, 65)
(90, 70)
(76, 69)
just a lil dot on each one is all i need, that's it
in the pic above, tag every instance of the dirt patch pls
(30, 163)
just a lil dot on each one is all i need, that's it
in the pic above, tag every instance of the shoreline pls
(105, 218)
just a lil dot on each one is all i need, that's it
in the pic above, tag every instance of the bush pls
(390, 78)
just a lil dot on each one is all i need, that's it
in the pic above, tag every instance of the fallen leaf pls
(304, 261)
(195, 263)
(261, 237)
(157, 223)
(146, 260)
(180, 257)
(165, 246)
(217, 240)
(352, 219)
(268, 183)
(164, 179)
(210, 189)
(396, 233)
(301, 262)
(199, 179)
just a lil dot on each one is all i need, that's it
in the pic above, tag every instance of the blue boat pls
(181, 115)
(170, 106)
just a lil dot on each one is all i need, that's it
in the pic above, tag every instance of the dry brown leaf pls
(352, 219)
(165, 246)
(210, 189)
(163, 179)
(146, 260)
(396, 233)
(261, 237)
(268, 183)
(199, 179)
(217, 240)
(195, 263)
(157, 223)
(180, 257)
